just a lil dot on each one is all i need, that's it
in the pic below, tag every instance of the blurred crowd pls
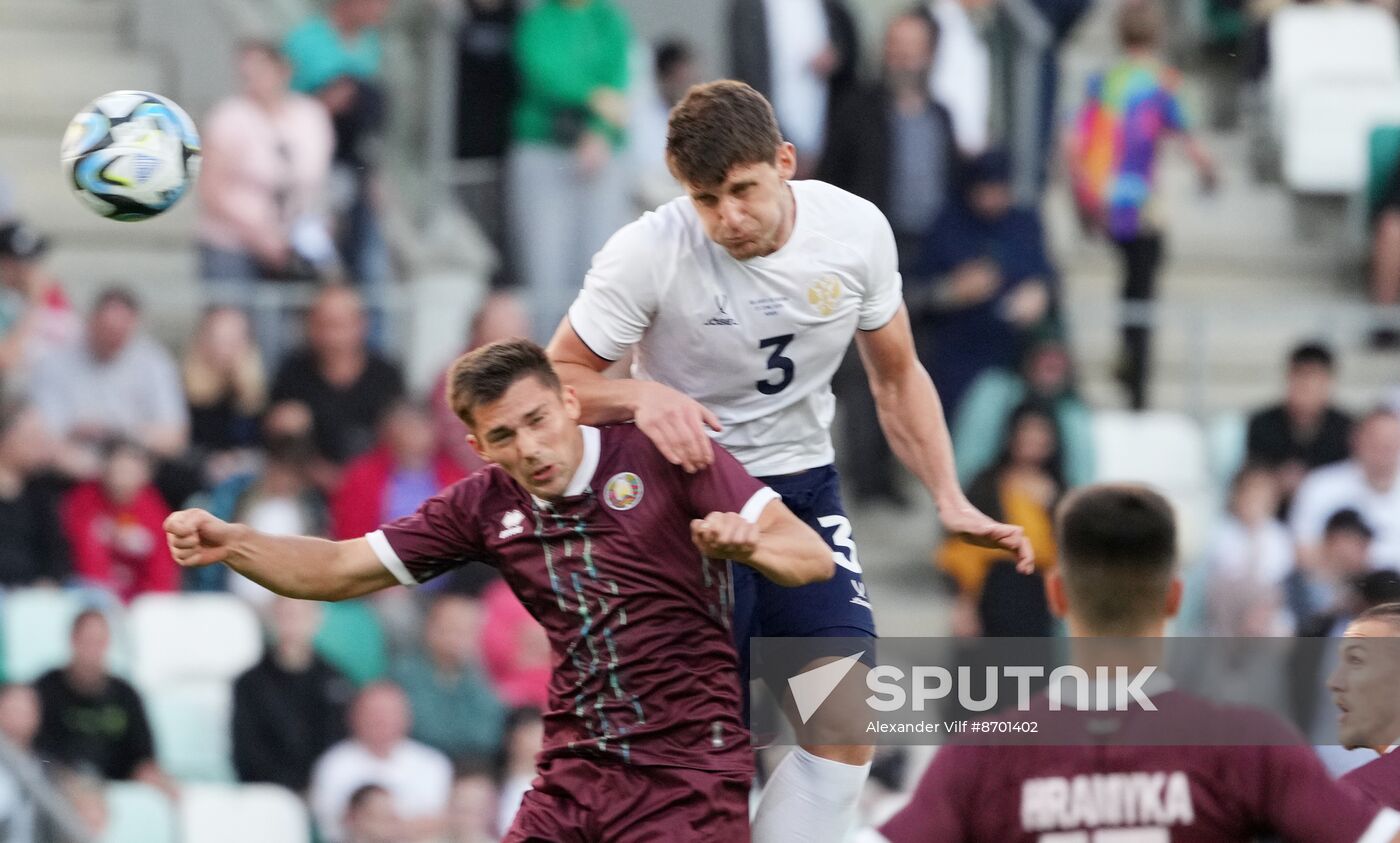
(302, 423)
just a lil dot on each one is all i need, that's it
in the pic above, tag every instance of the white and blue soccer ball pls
(130, 155)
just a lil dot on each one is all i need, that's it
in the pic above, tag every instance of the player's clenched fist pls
(725, 535)
(197, 538)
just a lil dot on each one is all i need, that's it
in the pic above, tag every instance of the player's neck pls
(1134, 650)
(789, 221)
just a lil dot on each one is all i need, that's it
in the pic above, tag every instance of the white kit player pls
(739, 302)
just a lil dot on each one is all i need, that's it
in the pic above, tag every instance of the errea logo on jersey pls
(513, 524)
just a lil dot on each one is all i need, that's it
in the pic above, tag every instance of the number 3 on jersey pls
(842, 539)
(776, 360)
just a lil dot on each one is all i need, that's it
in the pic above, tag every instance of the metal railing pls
(47, 801)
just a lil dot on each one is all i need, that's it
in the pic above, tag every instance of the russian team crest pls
(824, 294)
(623, 491)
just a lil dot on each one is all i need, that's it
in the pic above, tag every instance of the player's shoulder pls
(626, 445)
(828, 199)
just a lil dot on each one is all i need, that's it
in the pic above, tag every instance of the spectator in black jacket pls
(802, 66)
(290, 707)
(892, 145)
(1305, 430)
(33, 550)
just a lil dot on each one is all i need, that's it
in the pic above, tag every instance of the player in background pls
(739, 302)
(1366, 689)
(1116, 580)
(619, 555)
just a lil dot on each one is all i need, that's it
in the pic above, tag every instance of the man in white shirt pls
(1369, 483)
(379, 751)
(738, 303)
(961, 79)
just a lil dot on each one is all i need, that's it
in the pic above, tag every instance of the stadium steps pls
(56, 56)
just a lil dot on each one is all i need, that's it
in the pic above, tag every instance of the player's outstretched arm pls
(674, 422)
(778, 545)
(912, 417)
(293, 566)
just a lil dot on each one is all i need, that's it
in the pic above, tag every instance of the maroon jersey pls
(1096, 792)
(639, 622)
(1378, 780)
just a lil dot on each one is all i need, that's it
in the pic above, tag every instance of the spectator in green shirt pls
(566, 180)
(454, 709)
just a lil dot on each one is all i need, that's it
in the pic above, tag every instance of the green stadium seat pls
(191, 724)
(138, 813)
(1383, 159)
(352, 639)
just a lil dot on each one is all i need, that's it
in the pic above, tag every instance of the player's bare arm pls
(673, 421)
(912, 418)
(778, 545)
(293, 566)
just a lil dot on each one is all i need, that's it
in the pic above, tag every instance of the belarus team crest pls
(623, 491)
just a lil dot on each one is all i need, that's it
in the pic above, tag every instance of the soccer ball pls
(130, 155)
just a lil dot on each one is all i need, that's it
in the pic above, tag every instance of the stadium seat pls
(1166, 451)
(1326, 133)
(352, 639)
(191, 723)
(138, 813)
(1384, 158)
(1225, 439)
(38, 624)
(192, 637)
(239, 814)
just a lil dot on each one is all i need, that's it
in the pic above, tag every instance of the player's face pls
(532, 432)
(751, 214)
(1366, 686)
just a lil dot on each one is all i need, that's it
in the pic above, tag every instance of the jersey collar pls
(592, 447)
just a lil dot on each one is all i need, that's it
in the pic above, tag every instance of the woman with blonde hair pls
(226, 387)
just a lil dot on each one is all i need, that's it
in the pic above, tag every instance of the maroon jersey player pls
(612, 549)
(1115, 580)
(1366, 689)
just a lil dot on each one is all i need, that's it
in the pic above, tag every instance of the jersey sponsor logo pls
(512, 524)
(623, 491)
(722, 316)
(824, 294)
(1115, 800)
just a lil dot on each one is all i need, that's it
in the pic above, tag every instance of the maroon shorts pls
(587, 800)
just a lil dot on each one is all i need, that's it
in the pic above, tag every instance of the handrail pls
(46, 798)
(1033, 38)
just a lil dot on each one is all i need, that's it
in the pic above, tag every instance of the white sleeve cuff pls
(379, 543)
(592, 336)
(757, 503)
(1383, 828)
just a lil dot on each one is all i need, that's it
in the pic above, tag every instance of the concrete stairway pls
(57, 55)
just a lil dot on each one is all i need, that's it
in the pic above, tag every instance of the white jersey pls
(756, 341)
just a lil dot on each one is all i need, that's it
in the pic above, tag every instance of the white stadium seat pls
(138, 813)
(191, 723)
(1327, 130)
(37, 628)
(240, 814)
(191, 637)
(1166, 451)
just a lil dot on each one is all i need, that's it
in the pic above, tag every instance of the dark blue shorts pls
(837, 608)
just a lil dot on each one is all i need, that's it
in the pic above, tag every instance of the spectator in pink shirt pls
(267, 157)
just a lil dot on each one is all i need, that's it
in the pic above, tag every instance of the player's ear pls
(1174, 592)
(476, 446)
(1055, 594)
(786, 161)
(571, 403)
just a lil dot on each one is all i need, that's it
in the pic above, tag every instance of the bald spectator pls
(379, 750)
(454, 708)
(116, 381)
(1368, 482)
(290, 707)
(345, 384)
(34, 549)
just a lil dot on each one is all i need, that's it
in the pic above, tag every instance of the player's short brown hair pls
(1117, 546)
(717, 127)
(1140, 24)
(483, 375)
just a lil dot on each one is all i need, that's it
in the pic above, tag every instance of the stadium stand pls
(138, 813)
